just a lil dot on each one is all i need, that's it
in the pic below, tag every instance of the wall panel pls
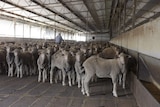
(144, 39)
(125, 40)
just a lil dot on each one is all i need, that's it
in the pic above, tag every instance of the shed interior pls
(132, 25)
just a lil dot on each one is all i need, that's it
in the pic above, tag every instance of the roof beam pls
(91, 8)
(148, 19)
(13, 4)
(77, 14)
(140, 14)
(59, 14)
(24, 17)
(111, 13)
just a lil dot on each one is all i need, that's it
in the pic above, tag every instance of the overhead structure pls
(92, 10)
(92, 16)
(128, 14)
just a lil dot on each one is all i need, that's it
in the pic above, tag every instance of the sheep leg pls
(30, 70)
(86, 83)
(64, 77)
(73, 77)
(82, 82)
(21, 71)
(69, 78)
(51, 75)
(124, 79)
(120, 79)
(60, 74)
(39, 75)
(79, 80)
(114, 81)
(56, 76)
(11, 70)
(18, 70)
(44, 75)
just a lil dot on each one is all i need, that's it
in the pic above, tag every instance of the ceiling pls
(82, 15)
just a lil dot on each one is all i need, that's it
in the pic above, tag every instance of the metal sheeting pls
(69, 14)
(143, 39)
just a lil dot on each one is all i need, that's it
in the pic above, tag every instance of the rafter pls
(77, 14)
(148, 19)
(13, 4)
(140, 13)
(23, 18)
(59, 14)
(92, 10)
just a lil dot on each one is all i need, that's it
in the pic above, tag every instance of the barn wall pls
(143, 39)
(13, 39)
(98, 37)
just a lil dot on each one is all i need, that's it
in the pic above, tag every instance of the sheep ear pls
(118, 56)
(129, 56)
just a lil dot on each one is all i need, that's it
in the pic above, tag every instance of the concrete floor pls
(27, 92)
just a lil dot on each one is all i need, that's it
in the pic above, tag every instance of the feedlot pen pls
(27, 92)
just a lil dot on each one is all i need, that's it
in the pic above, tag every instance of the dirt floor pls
(27, 92)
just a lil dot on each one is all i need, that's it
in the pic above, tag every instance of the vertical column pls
(133, 13)
(54, 33)
(30, 31)
(23, 32)
(41, 32)
(119, 20)
(116, 22)
(124, 15)
(14, 28)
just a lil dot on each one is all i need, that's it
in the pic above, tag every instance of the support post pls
(133, 13)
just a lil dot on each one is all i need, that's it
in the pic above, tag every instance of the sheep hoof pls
(70, 84)
(63, 84)
(115, 94)
(88, 94)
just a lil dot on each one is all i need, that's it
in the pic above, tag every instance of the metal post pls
(30, 31)
(41, 32)
(14, 28)
(23, 31)
(124, 16)
(119, 20)
(133, 13)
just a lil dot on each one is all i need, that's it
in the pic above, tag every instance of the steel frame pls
(77, 14)
(59, 14)
(13, 4)
(91, 9)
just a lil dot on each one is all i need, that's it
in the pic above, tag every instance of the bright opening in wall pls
(80, 37)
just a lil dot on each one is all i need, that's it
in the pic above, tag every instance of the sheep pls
(104, 68)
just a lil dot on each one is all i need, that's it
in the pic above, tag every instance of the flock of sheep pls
(79, 61)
